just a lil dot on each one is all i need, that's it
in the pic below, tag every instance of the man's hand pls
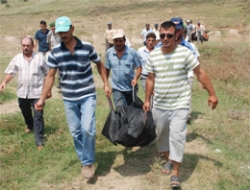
(212, 101)
(146, 106)
(39, 105)
(107, 90)
(2, 87)
(134, 82)
(49, 95)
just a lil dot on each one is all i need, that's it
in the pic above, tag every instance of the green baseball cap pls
(52, 24)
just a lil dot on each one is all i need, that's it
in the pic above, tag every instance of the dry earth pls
(120, 176)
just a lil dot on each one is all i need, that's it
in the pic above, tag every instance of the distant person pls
(179, 39)
(191, 73)
(108, 36)
(41, 38)
(31, 70)
(190, 29)
(122, 61)
(53, 39)
(144, 33)
(157, 32)
(143, 53)
(200, 30)
(72, 57)
(167, 69)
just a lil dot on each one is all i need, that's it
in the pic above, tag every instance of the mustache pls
(64, 37)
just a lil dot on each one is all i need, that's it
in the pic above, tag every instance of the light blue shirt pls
(143, 54)
(123, 69)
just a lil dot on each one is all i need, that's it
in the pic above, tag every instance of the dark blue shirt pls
(42, 38)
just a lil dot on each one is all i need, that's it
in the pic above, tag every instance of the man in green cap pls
(53, 39)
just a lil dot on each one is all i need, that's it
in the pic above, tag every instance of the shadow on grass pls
(194, 135)
(134, 161)
(137, 162)
(190, 163)
(195, 115)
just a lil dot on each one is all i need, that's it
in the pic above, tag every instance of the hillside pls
(217, 154)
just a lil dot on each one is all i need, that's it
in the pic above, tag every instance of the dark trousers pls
(35, 123)
(123, 98)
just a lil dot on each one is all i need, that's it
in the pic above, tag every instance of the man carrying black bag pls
(168, 67)
(129, 125)
(122, 61)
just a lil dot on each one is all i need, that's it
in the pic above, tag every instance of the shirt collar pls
(125, 50)
(78, 44)
(186, 44)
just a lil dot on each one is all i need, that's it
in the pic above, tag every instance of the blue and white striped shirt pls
(75, 70)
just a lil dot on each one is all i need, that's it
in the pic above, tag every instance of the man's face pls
(53, 29)
(147, 26)
(43, 27)
(27, 47)
(67, 36)
(109, 26)
(167, 37)
(179, 33)
(150, 43)
(119, 43)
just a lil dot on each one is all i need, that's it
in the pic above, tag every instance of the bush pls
(3, 1)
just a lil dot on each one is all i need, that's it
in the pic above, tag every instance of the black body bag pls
(129, 125)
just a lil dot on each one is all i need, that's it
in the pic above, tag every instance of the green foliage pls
(7, 95)
(3, 1)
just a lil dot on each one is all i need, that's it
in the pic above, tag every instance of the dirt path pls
(12, 106)
(122, 174)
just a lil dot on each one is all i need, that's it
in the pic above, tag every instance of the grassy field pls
(217, 155)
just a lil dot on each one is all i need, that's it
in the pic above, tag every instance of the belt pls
(144, 75)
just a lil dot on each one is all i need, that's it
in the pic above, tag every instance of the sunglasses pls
(169, 36)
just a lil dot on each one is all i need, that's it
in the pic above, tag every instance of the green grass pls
(226, 128)
(9, 93)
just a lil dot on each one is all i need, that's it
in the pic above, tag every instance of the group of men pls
(199, 31)
(164, 76)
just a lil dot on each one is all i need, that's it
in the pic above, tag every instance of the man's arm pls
(205, 81)
(7, 79)
(149, 90)
(102, 72)
(137, 75)
(35, 45)
(47, 86)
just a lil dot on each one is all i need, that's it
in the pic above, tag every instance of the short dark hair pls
(43, 22)
(168, 24)
(151, 35)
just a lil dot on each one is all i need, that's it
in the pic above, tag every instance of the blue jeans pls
(36, 122)
(81, 122)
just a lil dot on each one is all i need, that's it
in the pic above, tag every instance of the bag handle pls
(110, 103)
(134, 95)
